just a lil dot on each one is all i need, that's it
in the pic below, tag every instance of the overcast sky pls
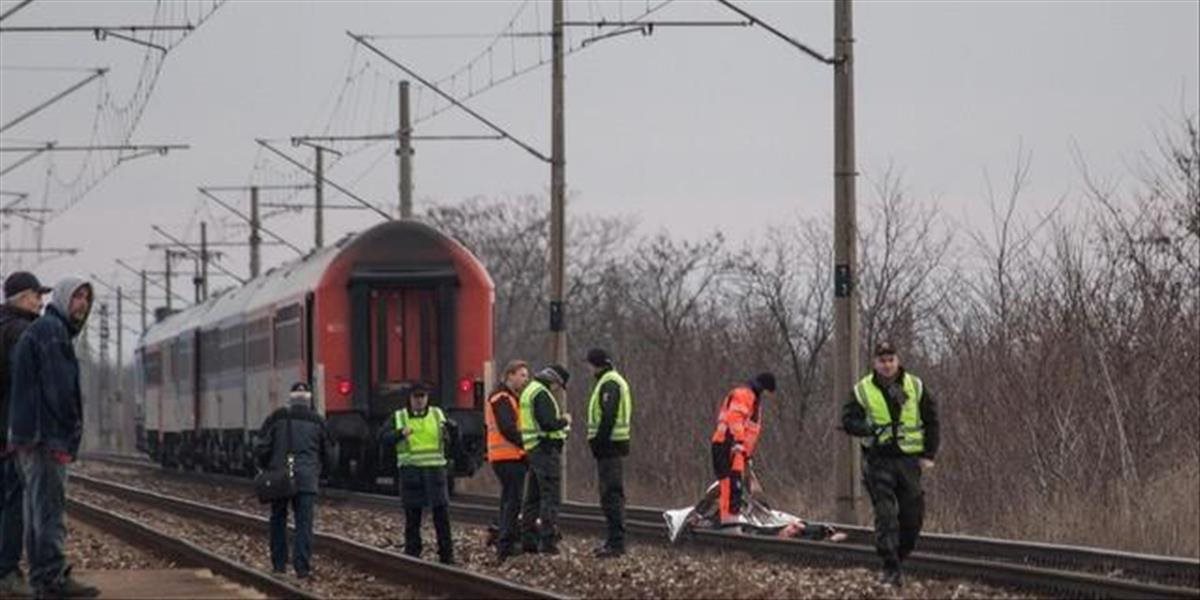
(690, 130)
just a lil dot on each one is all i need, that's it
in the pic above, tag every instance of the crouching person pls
(295, 433)
(421, 434)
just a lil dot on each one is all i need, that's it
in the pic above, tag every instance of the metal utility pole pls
(255, 236)
(143, 277)
(405, 152)
(845, 256)
(167, 271)
(203, 260)
(558, 187)
(319, 198)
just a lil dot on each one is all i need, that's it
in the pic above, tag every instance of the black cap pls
(766, 381)
(884, 349)
(300, 386)
(597, 357)
(20, 281)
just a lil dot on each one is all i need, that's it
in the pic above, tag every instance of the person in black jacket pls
(310, 448)
(22, 302)
(543, 430)
(609, 412)
(896, 417)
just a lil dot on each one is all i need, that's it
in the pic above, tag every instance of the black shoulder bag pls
(279, 484)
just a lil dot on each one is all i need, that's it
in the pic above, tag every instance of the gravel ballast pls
(648, 570)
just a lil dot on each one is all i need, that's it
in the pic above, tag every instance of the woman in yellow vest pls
(506, 451)
(421, 434)
(895, 417)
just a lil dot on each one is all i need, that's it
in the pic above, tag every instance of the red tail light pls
(344, 386)
(465, 385)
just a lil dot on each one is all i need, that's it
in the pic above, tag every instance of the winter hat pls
(765, 380)
(300, 394)
(554, 374)
(597, 357)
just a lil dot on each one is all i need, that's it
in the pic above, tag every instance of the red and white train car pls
(362, 320)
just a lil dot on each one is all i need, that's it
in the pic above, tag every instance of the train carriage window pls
(258, 343)
(288, 336)
(231, 349)
(152, 365)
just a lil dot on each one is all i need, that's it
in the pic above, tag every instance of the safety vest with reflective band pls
(499, 449)
(531, 431)
(910, 430)
(424, 447)
(620, 430)
(740, 418)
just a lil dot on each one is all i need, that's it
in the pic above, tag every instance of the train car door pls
(403, 332)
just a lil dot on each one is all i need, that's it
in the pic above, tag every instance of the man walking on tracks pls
(22, 301)
(45, 417)
(506, 451)
(609, 412)
(295, 433)
(735, 440)
(896, 417)
(543, 431)
(421, 434)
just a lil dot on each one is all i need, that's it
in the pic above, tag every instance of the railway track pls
(1163, 570)
(433, 578)
(181, 551)
(1057, 569)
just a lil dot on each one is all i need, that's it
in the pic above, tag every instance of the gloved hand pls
(738, 448)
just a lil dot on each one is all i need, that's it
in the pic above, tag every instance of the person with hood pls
(295, 432)
(22, 302)
(739, 423)
(609, 411)
(45, 417)
(544, 429)
(895, 418)
(421, 435)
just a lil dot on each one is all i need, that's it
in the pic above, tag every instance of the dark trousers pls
(45, 530)
(12, 528)
(302, 512)
(894, 484)
(543, 495)
(512, 481)
(441, 524)
(610, 472)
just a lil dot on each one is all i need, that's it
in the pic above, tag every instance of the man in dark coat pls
(310, 450)
(22, 302)
(45, 418)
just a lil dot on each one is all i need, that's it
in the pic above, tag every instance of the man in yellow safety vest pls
(543, 431)
(421, 434)
(896, 418)
(609, 412)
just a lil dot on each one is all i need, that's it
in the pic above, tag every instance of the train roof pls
(410, 240)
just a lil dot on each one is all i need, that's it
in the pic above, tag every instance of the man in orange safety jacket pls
(735, 439)
(506, 452)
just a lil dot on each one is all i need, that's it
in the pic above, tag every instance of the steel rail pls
(435, 578)
(180, 550)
